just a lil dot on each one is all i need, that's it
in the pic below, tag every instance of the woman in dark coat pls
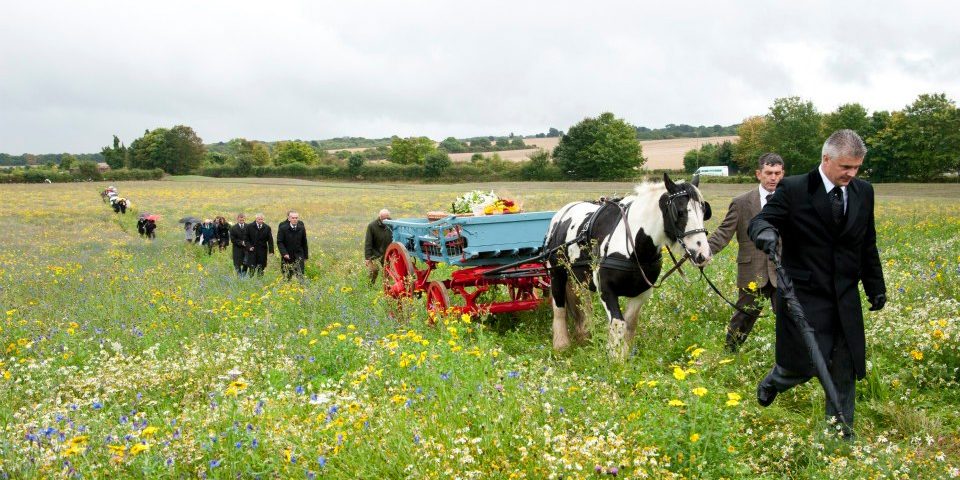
(149, 228)
(223, 233)
(208, 235)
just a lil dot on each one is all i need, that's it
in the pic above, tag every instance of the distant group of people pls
(117, 203)
(209, 233)
(253, 243)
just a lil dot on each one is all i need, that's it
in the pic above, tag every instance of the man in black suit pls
(825, 220)
(292, 244)
(261, 244)
(241, 245)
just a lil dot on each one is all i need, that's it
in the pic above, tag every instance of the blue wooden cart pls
(482, 246)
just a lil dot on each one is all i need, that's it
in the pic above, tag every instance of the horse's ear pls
(671, 187)
(695, 181)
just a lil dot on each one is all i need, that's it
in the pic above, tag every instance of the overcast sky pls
(72, 74)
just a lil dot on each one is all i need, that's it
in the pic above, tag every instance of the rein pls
(633, 247)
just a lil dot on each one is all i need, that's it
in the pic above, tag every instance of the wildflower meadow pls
(125, 357)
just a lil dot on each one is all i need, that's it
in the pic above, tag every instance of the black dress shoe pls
(766, 392)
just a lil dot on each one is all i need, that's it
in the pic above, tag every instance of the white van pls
(717, 171)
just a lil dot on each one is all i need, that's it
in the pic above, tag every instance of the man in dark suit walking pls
(261, 244)
(241, 245)
(755, 272)
(829, 240)
(292, 244)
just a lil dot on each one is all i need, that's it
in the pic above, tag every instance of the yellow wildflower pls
(679, 373)
(676, 403)
(917, 355)
(138, 448)
(149, 431)
(752, 286)
(695, 438)
(733, 399)
(699, 391)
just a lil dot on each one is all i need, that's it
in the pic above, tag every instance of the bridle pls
(673, 218)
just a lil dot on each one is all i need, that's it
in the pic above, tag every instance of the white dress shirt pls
(828, 185)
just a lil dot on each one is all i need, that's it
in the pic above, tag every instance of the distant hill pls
(685, 131)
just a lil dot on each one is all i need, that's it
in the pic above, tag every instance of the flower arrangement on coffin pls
(501, 206)
(473, 202)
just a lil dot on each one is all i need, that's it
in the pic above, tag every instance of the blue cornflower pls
(513, 374)
(322, 461)
(214, 463)
(445, 376)
(299, 390)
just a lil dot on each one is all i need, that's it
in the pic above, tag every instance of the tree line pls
(919, 143)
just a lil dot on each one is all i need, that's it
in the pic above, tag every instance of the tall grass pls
(129, 358)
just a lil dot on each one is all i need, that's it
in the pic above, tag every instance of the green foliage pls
(410, 151)
(480, 143)
(452, 145)
(503, 143)
(260, 154)
(87, 170)
(355, 163)
(68, 161)
(920, 143)
(217, 158)
(539, 167)
(476, 157)
(599, 148)
(295, 152)
(177, 150)
(793, 131)
(851, 115)
(116, 156)
(684, 131)
(435, 163)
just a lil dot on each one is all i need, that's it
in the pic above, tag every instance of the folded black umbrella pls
(795, 311)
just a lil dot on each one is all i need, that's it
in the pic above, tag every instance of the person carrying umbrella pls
(188, 227)
(825, 220)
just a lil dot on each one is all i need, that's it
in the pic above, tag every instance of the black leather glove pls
(767, 241)
(877, 302)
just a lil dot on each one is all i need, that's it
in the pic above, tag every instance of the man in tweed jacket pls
(756, 274)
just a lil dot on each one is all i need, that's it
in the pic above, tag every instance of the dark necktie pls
(836, 205)
(769, 196)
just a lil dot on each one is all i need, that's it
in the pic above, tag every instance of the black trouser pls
(258, 261)
(209, 245)
(240, 260)
(741, 324)
(292, 267)
(840, 365)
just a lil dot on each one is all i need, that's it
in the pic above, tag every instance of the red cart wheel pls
(438, 301)
(398, 273)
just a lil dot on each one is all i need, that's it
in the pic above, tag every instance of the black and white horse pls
(614, 247)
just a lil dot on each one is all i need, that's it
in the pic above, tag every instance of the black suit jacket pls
(292, 242)
(238, 236)
(826, 263)
(261, 239)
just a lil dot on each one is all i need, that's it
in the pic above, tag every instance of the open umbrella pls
(144, 215)
(189, 220)
(153, 217)
(795, 311)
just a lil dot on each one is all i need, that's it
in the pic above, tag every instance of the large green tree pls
(408, 151)
(452, 145)
(605, 148)
(295, 152)
(850, 115)
(260, 154)
(115, 156)
(177, 150)
(920, 143)
(793, 132)
(750, 146)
